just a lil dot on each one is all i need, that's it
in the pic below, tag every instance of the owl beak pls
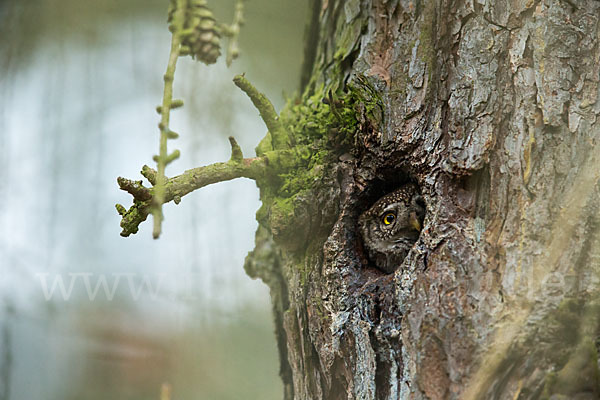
(414, 221)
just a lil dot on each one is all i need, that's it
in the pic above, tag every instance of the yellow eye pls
(389, 218)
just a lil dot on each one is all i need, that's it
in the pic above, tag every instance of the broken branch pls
(267, 112)
(180, 185)
(266, 167)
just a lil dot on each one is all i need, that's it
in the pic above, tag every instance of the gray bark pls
(491, 107)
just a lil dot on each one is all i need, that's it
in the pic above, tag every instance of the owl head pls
(392, 225)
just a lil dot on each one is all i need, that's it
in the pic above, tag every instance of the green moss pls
(282, 209)
(265, 145)
(321, 125)
(132, 218)
(282, 161)
(308, 119)
(296, 181)
(290, 228)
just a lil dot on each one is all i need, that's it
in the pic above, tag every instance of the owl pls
(391, 226)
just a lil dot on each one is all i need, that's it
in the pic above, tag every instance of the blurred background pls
(85, 313)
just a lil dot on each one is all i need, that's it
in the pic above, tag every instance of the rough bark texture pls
(491, 108)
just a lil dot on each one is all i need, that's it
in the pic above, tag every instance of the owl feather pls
(391, 226)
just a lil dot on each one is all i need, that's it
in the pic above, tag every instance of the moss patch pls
(320, 126)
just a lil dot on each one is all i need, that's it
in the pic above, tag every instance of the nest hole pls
(385, 183)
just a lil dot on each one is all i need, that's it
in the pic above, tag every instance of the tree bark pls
(491, 108)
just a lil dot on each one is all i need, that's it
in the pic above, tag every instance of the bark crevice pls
(491, 109)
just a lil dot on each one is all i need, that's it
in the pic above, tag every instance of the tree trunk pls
(491, 108)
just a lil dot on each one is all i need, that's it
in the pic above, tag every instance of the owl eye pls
(389, 218)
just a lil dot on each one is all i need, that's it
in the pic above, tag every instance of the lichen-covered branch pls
(271, 164)
(261, 169)
(144, 199)
(279, 135)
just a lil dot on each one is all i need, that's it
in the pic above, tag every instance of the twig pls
(176, 187)
(149, 174)
(267, 112)
(236, 150)
(265, 167)
(233, 32)
(165, 110)
(268, 166)
(135, 188)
